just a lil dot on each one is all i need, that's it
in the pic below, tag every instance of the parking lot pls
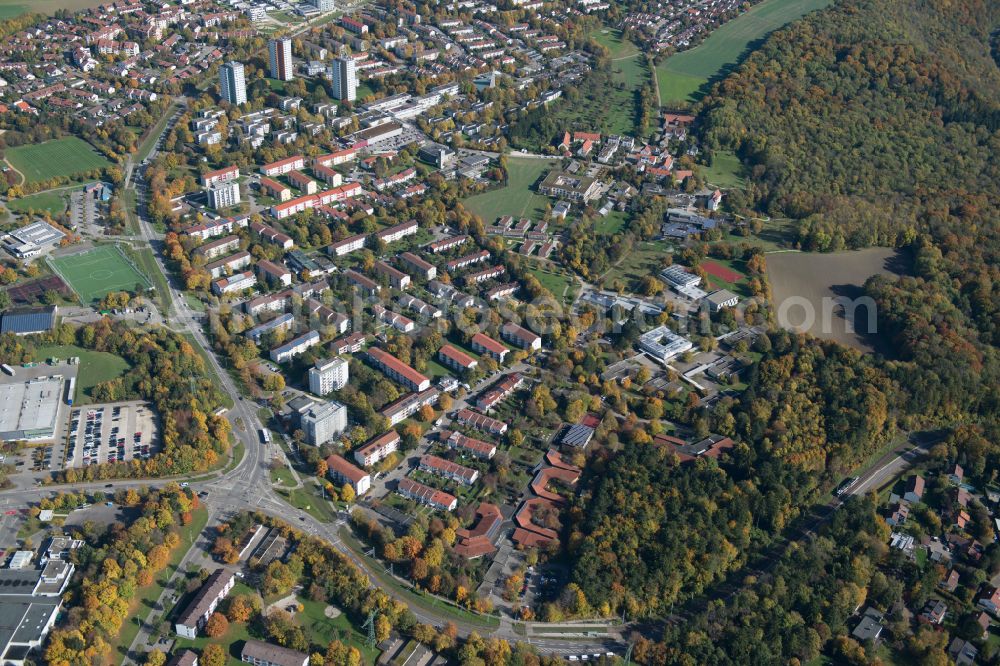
(117, 432)
(83, 211)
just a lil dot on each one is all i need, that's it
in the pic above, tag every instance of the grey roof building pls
(25, 321)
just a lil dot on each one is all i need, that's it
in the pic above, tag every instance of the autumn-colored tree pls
(213, 655)
(216, 625)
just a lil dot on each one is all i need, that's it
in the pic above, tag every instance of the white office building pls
(344, 75)
(328, 375)
(324, 5)
(663, 344)
(233, 83)
(224, 195)
(279, 57)
(323, 421)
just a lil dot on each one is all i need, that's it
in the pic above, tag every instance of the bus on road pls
(265, 436)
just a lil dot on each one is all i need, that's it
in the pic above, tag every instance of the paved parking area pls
(115, 432)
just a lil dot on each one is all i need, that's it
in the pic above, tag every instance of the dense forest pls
(872, 124)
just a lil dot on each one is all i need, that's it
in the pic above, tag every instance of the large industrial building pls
(29, 409)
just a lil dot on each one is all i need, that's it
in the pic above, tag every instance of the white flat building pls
(328, 376)
(663, 344)
(224, 195)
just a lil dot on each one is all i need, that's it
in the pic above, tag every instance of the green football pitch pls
(100, 271)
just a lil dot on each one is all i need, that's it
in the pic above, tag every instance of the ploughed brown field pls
(802, 281)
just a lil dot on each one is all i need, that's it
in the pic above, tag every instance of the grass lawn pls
(52, 202)
(611, 223)
(320, 629)
(148, 595)
(683, 76)
(309, 498)
(556, 283)
(97, 272)
(95, 367)
(143, 258)
(777, 234)
(13, 8)
(518, 198)
(726, 171)
(611, 39)
(232, 640)
(67, 157)
(283, 476)
(644, 260)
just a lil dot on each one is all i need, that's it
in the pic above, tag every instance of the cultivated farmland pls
(683, 77)
(807, 279)
(65, 157)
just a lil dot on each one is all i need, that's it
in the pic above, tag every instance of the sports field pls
(97, 272)
(682, 76)
(518, 198)
(12, 8)
(52, 202)
(67, 157)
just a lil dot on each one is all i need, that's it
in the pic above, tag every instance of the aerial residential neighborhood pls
(533, 332)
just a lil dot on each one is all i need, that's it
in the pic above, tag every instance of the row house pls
(422, 308)
(426, 495)
(272, 235)
(465, 444)
(480, 422)
(273, 273)
(484, 275)
(502, 291)
(499, 391)
(394, 319)
(336, 158)
(467, 260)
(446, 244)
(449, 470)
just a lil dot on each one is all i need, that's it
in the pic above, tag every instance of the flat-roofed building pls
(29, 410)
(663, 344)
(328, 375)
(323, 421)
(565, 185)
